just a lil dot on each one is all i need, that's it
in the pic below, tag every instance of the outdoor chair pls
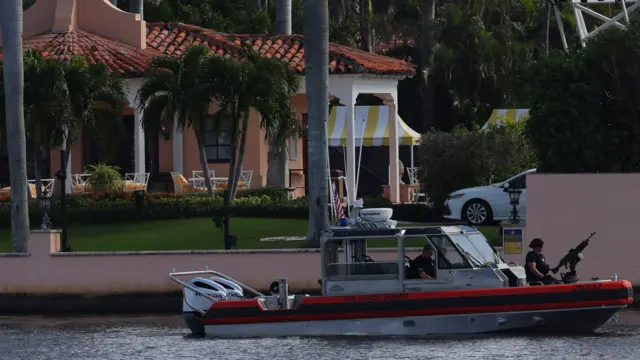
(136, 181)
(182, 186)
(417, 191)
(244, 181)
(79, 183)
(47, 186)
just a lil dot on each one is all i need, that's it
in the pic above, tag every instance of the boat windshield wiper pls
(478, 262)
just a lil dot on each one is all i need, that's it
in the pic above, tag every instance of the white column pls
(394, 181)
(138, 142)
(178, 150)
(349, 101)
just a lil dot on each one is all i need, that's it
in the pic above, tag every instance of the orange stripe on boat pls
(418, 312)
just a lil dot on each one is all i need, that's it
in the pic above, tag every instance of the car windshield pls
(476, 246)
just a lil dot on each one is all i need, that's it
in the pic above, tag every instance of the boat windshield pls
(476, 246)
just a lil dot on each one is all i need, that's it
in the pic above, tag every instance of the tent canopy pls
(500, 116)
(374, 120)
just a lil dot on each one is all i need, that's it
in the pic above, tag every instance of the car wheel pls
(477, 212)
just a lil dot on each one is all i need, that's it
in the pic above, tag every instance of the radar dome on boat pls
(376, 214)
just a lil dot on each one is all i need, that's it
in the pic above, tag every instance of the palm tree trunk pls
(203, 162)
(426, 45)
(243, 144)
(546, 22)
(316, 33)
(37, 165)
(366, 27)
(233, 148)
(11, 24)
(277, 159)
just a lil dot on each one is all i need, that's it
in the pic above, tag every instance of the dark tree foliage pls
(585, 113)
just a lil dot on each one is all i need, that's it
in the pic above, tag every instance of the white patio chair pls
(182, 186)
(136, 181)
(245, 179)
(199, 174)
(413, 180)
(79, 183)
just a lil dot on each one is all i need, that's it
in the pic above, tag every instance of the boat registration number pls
(367, 298)
(587, 287)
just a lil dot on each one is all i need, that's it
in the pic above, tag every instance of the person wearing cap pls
(422, 267)
(536, 267)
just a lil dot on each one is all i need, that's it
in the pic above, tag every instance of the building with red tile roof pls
(122, 41)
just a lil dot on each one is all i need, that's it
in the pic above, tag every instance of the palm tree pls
(264, 85)
(177, 89)
(316, 31)
(46, 107)
(95, 98)
(427, 36)
(13, 75)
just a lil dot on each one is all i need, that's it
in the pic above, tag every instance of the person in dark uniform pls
(536, 267)
(422, 267)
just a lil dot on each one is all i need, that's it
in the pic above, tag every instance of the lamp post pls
(222, 222)
(44, 205)
(62, 176)
(514, 199)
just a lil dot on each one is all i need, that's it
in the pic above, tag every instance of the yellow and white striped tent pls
(377, 129)
(500, 116)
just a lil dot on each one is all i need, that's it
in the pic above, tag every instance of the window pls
(293, 147)
(217, 144)
(448, 255)
(476, 247)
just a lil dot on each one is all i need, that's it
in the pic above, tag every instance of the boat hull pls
(568, 309)
(563, 321)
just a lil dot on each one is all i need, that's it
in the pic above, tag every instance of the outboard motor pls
(216, 287)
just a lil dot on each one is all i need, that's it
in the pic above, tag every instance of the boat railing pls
(369, 269)
(173, 276)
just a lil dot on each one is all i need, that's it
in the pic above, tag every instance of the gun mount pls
(571, 259)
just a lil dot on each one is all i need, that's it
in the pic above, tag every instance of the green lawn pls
(194, 234)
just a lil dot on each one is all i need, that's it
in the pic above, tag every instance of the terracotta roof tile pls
(118, 57)
(175, 38)
(290, 48)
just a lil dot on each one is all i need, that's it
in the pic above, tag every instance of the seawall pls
(49, 282)
(114, 304)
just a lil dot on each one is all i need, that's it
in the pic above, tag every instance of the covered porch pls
(372, 129)
(346, 89)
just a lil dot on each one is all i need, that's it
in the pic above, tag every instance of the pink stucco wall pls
(563, 209)
(46, 271)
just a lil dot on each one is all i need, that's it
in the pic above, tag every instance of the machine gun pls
(571, 259)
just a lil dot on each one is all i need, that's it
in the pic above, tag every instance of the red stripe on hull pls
(564, 288)
(420, 312)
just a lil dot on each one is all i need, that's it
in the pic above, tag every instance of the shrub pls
(585, 105)
(453, 161)
(111, 208)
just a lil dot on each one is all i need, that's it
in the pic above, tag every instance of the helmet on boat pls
(537, 242)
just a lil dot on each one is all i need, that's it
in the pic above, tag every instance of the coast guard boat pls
(474, 291)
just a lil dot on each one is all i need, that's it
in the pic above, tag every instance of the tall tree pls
(427, 35)
(177, 90)
(277, 158)
(316, 33)
(46, 107)
(95, 98)
(13, 75)
(255, 83)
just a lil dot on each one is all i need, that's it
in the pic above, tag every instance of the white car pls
(487, 204)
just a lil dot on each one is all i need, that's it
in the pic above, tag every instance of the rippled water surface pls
(166, 337)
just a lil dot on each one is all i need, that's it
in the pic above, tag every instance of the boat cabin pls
(462, 257)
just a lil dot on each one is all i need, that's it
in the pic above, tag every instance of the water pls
(165, 337)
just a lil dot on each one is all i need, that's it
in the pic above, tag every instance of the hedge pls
(268, 203)
(463, 159)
